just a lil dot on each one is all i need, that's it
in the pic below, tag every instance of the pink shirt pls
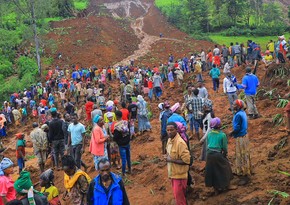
(97, 144)
(7, 189)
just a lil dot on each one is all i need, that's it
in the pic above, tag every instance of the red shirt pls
(125, 114)
(43, 101)
(89, 107)
(7, 189)
(150, 84)
(209, 56)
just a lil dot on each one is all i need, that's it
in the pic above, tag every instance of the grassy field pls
(164, 3)
(262, 40)
(81, 4)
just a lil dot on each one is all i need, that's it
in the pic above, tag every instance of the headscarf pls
(47, 175)
(44, 126)
(23, 183)
(109, 114)
(215, 122)
(4, 164)
(140, 98)
(96, 118)
(240, 104)
(109, 108)
(175, 107)
(19, 136)
(160, 106)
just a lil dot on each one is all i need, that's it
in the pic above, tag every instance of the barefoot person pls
(178, 160)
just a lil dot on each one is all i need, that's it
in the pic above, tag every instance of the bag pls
(189, 106)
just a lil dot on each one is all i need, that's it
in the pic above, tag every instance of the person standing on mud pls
(164, 117)
(250, 84)
(240, 130)
(178, 160)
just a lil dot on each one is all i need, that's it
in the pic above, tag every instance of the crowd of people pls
(76, 108)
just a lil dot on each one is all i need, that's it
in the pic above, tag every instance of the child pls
(48, 188)
(215, 74)
(20, 150)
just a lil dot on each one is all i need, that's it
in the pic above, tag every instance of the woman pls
(208, 115)
(7, 191)
(24, 189)
(143, 122)
(98, 144)
(218, 172)
(48, 188)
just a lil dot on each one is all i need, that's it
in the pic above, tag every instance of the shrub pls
(6, 67)
(26, 65)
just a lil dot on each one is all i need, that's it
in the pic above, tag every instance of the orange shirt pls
(125, 114)
(150, 84)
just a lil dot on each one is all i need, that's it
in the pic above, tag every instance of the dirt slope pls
(105, 40)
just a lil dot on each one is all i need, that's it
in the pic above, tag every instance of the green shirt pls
(217, 140)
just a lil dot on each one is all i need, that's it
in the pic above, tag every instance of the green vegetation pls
(261, 40)
(226, 17)
(80, 4)
(18, 68)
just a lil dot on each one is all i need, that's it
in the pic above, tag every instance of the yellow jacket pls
(177, 149)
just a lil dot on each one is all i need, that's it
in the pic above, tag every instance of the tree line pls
(255, 17)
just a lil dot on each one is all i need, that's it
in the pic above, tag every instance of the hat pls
(109, 108)
(160, 106)
(109, 114)
(215, 122)
(4, 164)
(23, 183)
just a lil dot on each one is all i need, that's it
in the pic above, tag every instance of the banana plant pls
(271, 93)
(282, 103)
(277, 119)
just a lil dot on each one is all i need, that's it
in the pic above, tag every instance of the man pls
(65, 125)
(128, 91)
(225, 53)
(164, 117)
(76, 182)
(250, 83)
(202, 90)
(107, 187)
(132, 108)
(203, 60)
(237, 53)
(40, 144)
(230, 89)
(56, 137)
(157, 84)
(125, 112)
(122, 138)
(76, 139)
(195, 110)
(240, 129)
(178, 160)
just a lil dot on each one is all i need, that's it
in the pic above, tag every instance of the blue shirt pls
(250, 83)
(76, 132)
(240, 124)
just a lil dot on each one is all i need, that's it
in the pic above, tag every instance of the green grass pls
(165, 3)
(46, 20)
(262, 40)
(81, 4)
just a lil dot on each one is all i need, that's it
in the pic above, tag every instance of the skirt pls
(218, 173)
(143, 123)
(98, 158)
(243, 159)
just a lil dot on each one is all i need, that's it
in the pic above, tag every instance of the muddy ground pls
(111, 39)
